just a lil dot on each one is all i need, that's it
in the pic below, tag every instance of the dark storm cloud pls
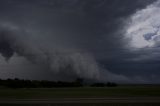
(96, 21)
(94, 26)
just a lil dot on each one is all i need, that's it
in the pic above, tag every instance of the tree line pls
(21, 83)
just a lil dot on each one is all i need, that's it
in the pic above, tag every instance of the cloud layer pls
(69, 38)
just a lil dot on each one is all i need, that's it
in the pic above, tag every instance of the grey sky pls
(96, 29)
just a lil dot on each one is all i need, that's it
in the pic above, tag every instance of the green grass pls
(87, 104)
(42, 93)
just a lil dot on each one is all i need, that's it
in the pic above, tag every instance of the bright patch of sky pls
(143, 29)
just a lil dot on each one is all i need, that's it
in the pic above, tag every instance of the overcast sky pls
(105, 40)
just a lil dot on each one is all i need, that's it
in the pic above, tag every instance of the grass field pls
(84, 92)
(88, 104)
(49, 93)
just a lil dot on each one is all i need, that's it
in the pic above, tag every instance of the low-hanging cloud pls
(70, 63)
(13, 40)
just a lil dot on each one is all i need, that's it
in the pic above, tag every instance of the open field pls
(82, 104)
(117, 96)
(50, 93)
